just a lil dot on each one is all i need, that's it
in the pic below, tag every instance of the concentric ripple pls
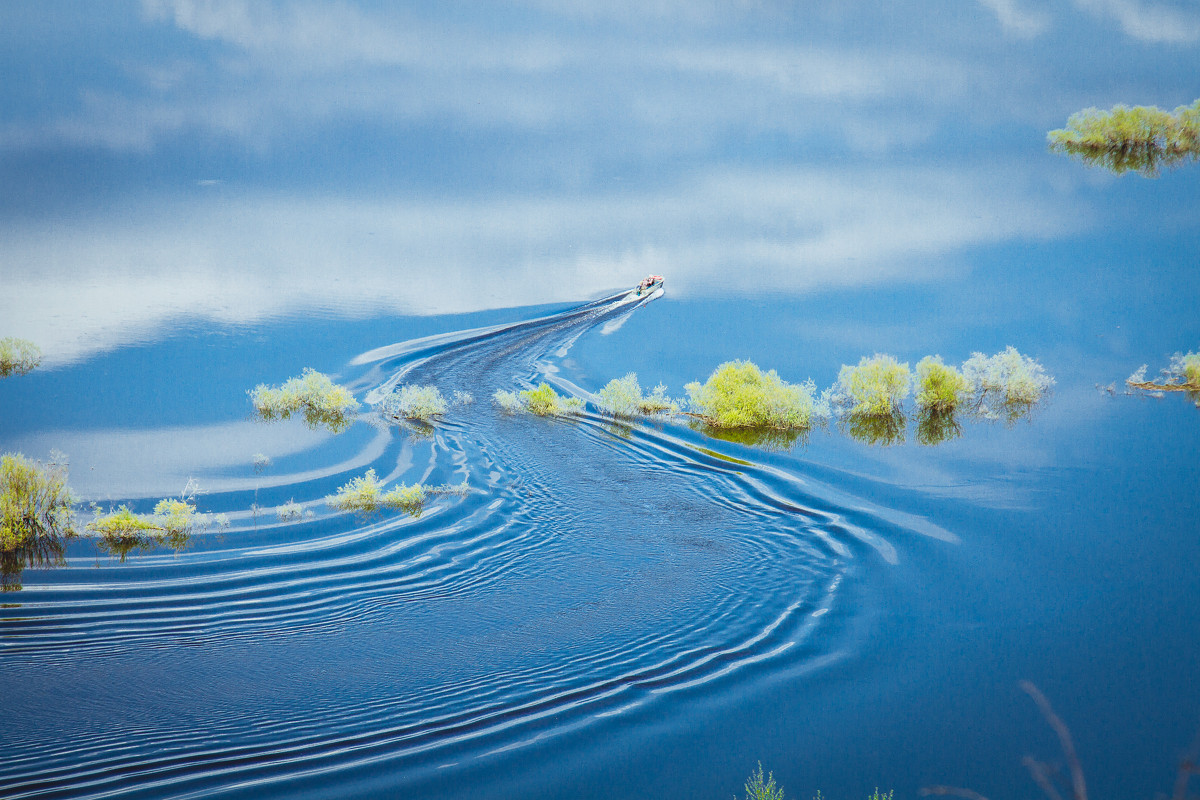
(590, 571)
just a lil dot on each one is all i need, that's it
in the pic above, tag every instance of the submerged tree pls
(36, 516)
(18, 356)
(1142, 139)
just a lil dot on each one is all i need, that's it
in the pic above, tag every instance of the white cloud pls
(1017, 20)
(100, 283)
(1149, 22)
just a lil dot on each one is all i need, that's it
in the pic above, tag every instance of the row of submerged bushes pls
(738, 394)
(740, 401)
(39, 515)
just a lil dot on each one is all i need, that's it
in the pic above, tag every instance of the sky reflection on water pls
(201, 195)
(240, 162)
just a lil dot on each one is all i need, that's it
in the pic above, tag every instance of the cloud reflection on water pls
(110, 280)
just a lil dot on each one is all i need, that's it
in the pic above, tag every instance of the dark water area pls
(204, 197)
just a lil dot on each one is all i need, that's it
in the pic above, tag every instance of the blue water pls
(609, 610)
(204, 196)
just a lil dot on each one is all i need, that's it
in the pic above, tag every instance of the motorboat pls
(648, 285)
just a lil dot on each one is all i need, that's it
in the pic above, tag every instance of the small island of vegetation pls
(365, 495)
(740, 395)
(542, 401)
(1143, 139)
(172, 524)
(322, 402)
(1183, 375)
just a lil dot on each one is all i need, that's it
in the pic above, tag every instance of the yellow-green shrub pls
(740, 395)
(323, 403)
(35, 501)
(18, 356)
(940, 387)
(876, 387)
(365, 495)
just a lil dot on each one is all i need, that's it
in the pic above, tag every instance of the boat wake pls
(594, 574)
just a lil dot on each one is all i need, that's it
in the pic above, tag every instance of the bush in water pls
(876, 387)
(622, 397)
(365, 495)
(940, 387)
(1008, 380)
(323, 403)
(415, 402)
(543, 401)
(18, 356)
(740, 395)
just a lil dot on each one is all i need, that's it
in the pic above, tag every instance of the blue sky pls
(238, 161)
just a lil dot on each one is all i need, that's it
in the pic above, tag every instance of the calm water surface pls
(207, 196)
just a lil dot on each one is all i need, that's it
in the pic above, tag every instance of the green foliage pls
(1007, 383)
(876, 387)
(758, 788)
(739, 395)
(18, 356)
(322, 402)
(880, 796)
(622, 397)
(36, 516)
(1142, 139)
(121, 531)
(543, 401)
(939, 387)
(415, 402)
(35, 501)
(365, 495)
(1186, 369)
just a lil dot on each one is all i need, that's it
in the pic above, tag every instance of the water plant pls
(940, 387)
(1185, 369)
(35, 500)
(322, 402)
(18, 356)
(1007, 382)
(36, 516)
(758, 788)
(876, 387)
(1142, 139)
(1183, 375)
(461, 398)
(622, 397)
(291, 510)
(414, 402)
(508, 401)
(172, 524)
(543, 401)
(740, 395)
(366, 495)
